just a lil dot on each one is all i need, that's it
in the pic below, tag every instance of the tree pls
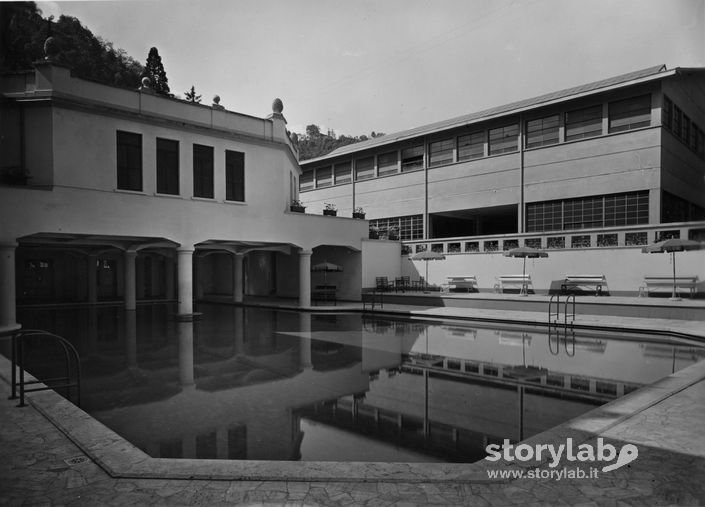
(313, 131)
(23, 32)
(316, 144)
(22, 35)
(154, 70)
(191, 95)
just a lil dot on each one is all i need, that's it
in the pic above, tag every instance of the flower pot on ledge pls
(358, 215)
(297, 209)
(330, 212)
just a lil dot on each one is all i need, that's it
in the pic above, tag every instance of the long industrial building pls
(611, 164)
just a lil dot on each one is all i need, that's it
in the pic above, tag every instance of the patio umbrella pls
(427, 255)
(326, 267)
(524, 252)
(672, 246)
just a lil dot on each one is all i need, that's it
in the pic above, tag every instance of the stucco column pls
(305, 278)
(92, 279)
(237, 278)
(184, 258)
(130, 280)
(8, 314)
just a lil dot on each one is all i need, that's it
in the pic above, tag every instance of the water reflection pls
(260, 384)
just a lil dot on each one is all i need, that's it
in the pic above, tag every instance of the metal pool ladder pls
(566, 306)
(19, 360)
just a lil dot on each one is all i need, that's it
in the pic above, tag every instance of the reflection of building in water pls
(241, 388)
(249, 377)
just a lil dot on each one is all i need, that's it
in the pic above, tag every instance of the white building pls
(109, 194)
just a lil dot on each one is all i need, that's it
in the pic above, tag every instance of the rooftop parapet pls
(50, 81)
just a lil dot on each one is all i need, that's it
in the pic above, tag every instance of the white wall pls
(624, 268)
(380, 258)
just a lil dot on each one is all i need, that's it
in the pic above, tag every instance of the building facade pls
(629, 150)
(591, 173)
(109, 194)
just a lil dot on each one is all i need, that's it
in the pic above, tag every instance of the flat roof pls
(643, 75)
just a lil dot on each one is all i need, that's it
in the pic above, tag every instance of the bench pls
(574, 281)
(372, 298)
(467, 283)
(522, 282)
(665, 283)
(324, 293)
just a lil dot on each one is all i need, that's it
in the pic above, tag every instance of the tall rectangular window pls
(630, 113)
(342, 173)
(129, 161)
(582, 123)
(686, 129)
(364, 168)
(694, 137)
(440, 152)
(542, 131)
(306, 180)
(471, 146)
(202, 171)
(677, 120)
(324, 177)
(412, 158)
(167, 166)
(387, 163)
(234, 176)
(503, 139)
(667, 113)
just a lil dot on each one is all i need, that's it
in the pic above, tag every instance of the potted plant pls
(374, 232)
(297, 206)
(330, 210)
(358, 212)
(393, 234)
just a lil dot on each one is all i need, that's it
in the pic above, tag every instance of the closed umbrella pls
(524, 252)
(427, 255)
(672, 246)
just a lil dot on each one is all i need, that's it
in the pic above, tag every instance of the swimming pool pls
(260, 384)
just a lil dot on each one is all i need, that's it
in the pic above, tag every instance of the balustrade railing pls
(615, 237)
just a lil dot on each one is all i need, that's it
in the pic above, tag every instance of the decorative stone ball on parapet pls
(146, 85)
(277, 106)
(216, 102)
(51, 49)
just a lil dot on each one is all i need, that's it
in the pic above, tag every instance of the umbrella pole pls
(523, 282)
(426, 279)
(674, 295)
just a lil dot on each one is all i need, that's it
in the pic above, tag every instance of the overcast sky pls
(387, 65)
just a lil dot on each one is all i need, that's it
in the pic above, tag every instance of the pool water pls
(262, 384)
